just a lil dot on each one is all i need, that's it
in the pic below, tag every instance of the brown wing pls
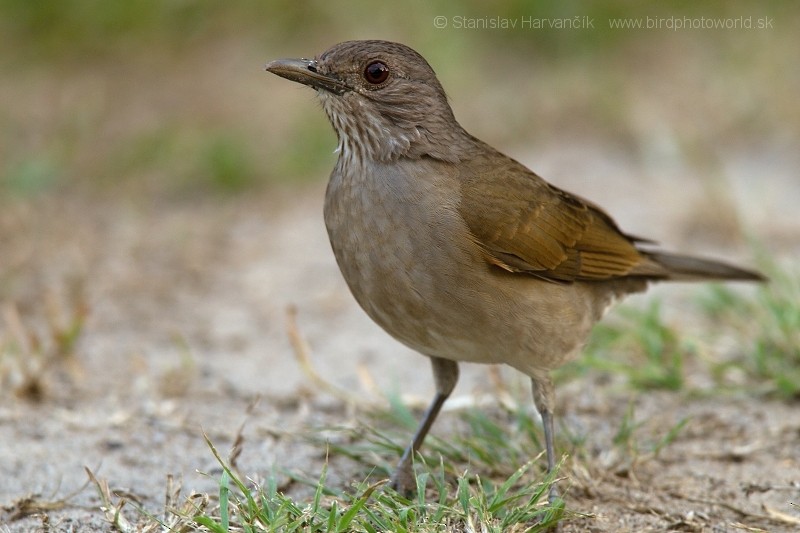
(524, 224)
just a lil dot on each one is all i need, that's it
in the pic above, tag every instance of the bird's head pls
(382, 98)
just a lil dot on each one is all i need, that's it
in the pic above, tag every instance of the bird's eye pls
(376, 72)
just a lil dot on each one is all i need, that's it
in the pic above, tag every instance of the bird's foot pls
(403, 481)
(553, 495)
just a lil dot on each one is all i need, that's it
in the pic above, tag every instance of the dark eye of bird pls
(376, 72)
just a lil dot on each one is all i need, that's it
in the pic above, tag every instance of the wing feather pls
(524, 224)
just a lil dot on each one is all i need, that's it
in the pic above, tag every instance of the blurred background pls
(145, 153)
(168, 98)
(161, 196)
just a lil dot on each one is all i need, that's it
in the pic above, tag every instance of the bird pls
(457, 250)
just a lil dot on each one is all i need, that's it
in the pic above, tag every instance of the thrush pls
(457, 250)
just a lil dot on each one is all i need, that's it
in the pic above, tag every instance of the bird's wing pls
(524, 224)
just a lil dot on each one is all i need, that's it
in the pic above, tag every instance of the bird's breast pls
(409, 260)
(402, 248)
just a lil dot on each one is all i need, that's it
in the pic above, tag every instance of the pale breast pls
(387, 233)
(408, 259)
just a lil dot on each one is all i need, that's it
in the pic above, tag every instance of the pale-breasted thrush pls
(455, 249)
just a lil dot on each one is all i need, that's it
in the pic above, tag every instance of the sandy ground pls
(185, 326)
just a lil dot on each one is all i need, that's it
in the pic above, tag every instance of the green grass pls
(29, 177)
(633, 447)
(752, 334)
(639, 345)
(492, 443)
(486, 477)
(473, 499)
(767, 329)
(29, 358)
(179, 160)
(490, 478)
(373, 507)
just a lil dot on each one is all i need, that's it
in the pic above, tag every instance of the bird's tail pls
(688, 268)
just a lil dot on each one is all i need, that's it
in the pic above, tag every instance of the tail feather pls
(688, 268)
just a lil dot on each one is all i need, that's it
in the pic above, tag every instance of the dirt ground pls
(184, 312)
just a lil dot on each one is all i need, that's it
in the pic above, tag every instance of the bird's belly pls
(449, 303)
(413, 268)
(398, 287)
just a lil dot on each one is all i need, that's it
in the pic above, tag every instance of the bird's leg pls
(445, 374)
(543, 398)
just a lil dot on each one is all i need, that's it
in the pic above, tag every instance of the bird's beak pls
(305, 71)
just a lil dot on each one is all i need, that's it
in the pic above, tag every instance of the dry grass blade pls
(179, 517)
(28, 358)
(772, 515)
(29, 505)
(238, 441)
(743, 527)
(25, 375)
(112, 512)
(14, 323)
(302, 354)
(780, 516)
